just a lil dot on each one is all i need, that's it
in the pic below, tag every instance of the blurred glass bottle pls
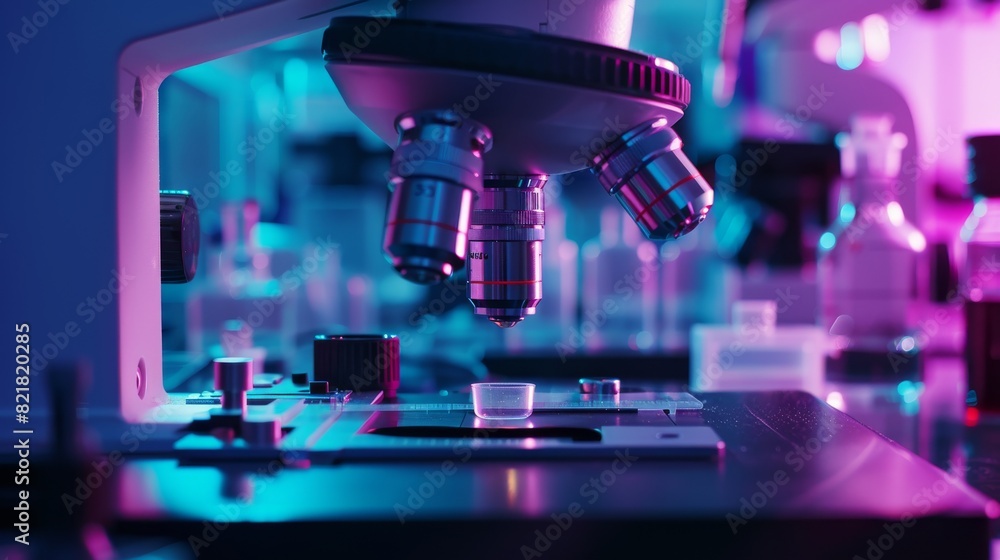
(697, 286)
(241, 288)
(621, 272)
(981, 274)
(869, 258)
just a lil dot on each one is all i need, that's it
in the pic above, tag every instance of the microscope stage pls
(344, 427)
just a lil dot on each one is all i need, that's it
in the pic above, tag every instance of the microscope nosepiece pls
(436, 172)
(656, 183)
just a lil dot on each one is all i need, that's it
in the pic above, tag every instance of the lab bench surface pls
(797, 479)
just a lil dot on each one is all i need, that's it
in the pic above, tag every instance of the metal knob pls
(600, 386)
(262, 431)
(179, 237)
(234, 377)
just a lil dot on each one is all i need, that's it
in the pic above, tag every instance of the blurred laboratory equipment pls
(334, 199)
(621, 273)
(773, 210)
(981, 275)
(756, 354)
(237, 342)
(772, 203)
(241, 309)
(697, 285)
(869, 258)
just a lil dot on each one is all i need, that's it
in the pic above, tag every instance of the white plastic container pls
(754, 354)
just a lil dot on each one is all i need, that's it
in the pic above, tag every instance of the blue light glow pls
(980, 207)
(847, 212)
(910, 391)
(296, 77)
(827, 241)
(852, 51)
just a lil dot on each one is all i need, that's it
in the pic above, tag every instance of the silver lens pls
(505, 249)
(656, 183)
(435, 174)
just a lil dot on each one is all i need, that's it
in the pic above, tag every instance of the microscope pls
(482, 104)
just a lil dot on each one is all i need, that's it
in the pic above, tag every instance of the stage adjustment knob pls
(179, 237)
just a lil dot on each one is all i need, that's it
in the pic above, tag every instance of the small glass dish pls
(503, 401)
